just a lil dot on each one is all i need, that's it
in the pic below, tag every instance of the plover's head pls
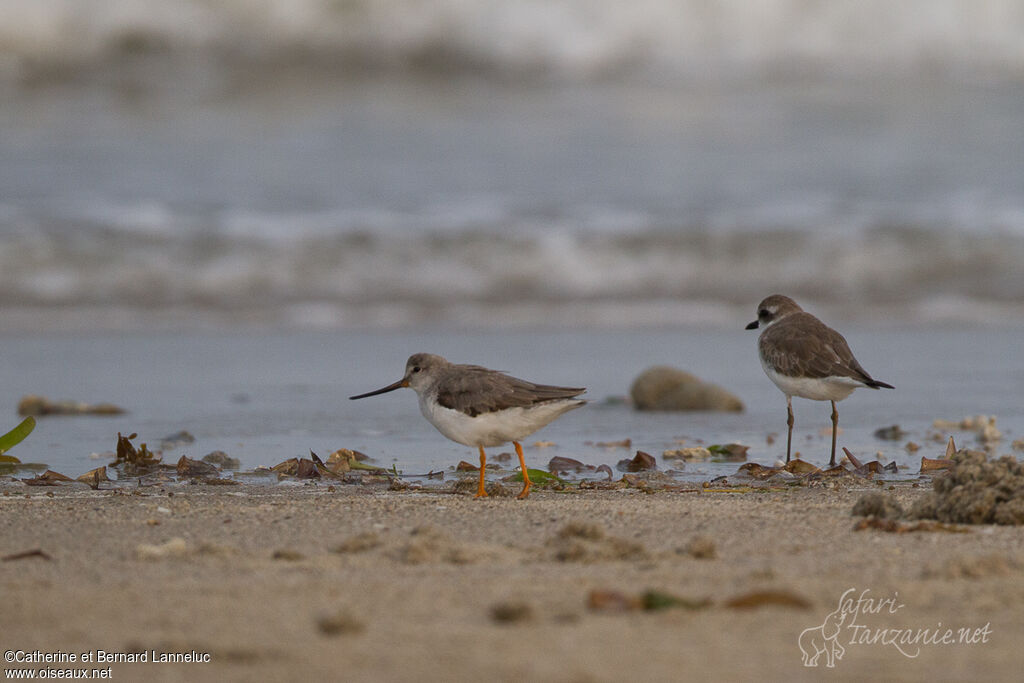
(773, 309)
(420, 371)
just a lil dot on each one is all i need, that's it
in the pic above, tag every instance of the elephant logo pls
(823, 640)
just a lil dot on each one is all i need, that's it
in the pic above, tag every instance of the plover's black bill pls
(751, 326)
(391, 387)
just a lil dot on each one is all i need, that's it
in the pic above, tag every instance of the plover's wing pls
(474, 390)
(803, 346)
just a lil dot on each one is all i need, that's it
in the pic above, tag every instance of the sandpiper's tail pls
(875, 384)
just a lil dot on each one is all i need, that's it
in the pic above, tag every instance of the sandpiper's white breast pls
(493, 428)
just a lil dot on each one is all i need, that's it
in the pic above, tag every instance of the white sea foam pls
(338, 273)
(567, 38)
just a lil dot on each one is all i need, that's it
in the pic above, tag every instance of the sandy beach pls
(221, 220)
(361, 583)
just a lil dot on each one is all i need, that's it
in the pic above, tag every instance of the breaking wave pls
(663, 39)
(389, 270)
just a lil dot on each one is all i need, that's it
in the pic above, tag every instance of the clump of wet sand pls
(974, 490)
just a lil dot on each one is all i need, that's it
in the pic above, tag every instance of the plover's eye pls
(416, 369)
(763, 313)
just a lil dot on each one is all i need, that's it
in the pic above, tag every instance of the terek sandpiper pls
(478, 407)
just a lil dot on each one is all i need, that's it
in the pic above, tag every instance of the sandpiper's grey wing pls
(473, 390)
(802, 345)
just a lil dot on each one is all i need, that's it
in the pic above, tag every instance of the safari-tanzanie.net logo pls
(848, 626)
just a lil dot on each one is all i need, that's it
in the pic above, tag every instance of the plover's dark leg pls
(789, 421)
(481, 492)
(526, 475)
(835, 429)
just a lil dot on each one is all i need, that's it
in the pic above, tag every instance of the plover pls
(806, 358)
(478, 407)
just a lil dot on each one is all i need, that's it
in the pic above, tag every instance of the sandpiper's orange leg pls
(526, 476)
(480, 491)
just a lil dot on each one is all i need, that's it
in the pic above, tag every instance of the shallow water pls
(266, 396)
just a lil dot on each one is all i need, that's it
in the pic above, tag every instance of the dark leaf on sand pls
(126, 454)
(288, 555)
(798, 466)
(340, 461)
(652, 600)
(48, 478)
(857, 464)
(345, 459)
(932, 464)
(511, 612)
(559, 464)
(766, 598)
(464, 466)
(187, 467)
(307, 469)
(612, 601)
(641, 462)
(757, 471)
(340, 623)
(26, 554)
(94, 477)
(893, 526)
(607, 470)
(657, 600)
(288, 467)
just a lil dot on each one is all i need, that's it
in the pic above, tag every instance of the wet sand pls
(358, 583)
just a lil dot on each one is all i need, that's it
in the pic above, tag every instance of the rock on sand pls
(663, 387)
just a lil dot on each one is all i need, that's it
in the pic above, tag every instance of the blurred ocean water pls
(520, 164)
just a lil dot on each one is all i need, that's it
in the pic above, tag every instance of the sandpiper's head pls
(773, 309)
(420, 370)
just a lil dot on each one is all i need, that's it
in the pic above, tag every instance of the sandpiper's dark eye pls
(416, 369)
(763, 313)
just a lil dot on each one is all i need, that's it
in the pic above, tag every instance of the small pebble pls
(340, 623)
(511, 612)
(701, 547)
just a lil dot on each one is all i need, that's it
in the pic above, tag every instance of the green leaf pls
(537, 477)
(17, 435)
